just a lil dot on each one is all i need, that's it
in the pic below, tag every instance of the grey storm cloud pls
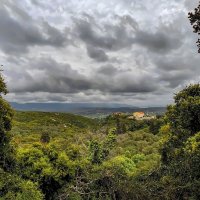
(125, 33)
(175, 78)
(108, 70)
(120, 50)
(177, 62)
(50, 76)
(109, 36)
(111, 70)
(190, 4)
(158, 42)
(165, 38)
(19, 31)
(175, 69)
(97, 54)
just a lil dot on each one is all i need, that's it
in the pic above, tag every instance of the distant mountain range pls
(86, 109)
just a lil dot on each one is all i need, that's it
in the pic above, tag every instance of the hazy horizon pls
(86, 104)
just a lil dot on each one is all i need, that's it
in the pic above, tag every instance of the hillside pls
(67, 129)
(62, 127)
(91, 110)
(88, 144)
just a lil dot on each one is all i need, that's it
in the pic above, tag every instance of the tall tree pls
(195, 22)
(6, 114)
(184, 120)
(178, 176)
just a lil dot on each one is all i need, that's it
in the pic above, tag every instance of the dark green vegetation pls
(195, 22)
(72, 157)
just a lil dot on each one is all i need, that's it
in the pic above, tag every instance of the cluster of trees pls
(120, 124)
(178, 175)
(12, 186)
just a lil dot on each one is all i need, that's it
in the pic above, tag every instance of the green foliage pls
(184, 121)
(155, 125)
(178, 176)
(192, 144)
(13, 187)
(70, 166)
(119, 166)
(120, 126)
(45, 138)
(97, 152)
(6, 114)
(44, 165)
(195, 21)
(185, 114)
(3, 88)
(100, 150)
(137, 125)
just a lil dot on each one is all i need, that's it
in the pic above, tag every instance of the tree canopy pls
(6, 114)
(195, 22)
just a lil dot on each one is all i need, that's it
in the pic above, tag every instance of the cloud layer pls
(134, 52)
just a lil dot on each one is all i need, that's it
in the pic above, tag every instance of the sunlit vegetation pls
(73, 157)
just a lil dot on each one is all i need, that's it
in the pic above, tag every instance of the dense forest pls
(69, 157)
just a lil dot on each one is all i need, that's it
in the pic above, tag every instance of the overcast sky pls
(137, 52)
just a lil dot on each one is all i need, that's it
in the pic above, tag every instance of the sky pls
(136, 52)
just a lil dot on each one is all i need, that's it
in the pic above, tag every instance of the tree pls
(45, 138)
(100, 150)
(184, 120)
(179, 173)
(155, 125)
(120, 126)
(14, 187)
(194, 18)
(97, 152)
(184, 116)
(6, 114)
(11, 185)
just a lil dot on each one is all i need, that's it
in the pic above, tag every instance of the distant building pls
(138, 115)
